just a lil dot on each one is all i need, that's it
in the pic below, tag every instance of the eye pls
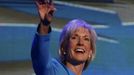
(73, 37)
(87, 39)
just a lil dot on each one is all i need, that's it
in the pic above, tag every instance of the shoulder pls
(58, 67)
(56, 63)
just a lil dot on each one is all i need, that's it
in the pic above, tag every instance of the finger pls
(41, 2)
(50, 2)
(52, 7)
(42, 9)
(51, 11)
(36, 2)
(40, 5)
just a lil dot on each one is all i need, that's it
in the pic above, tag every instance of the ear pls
(90, 54)
(63, 51)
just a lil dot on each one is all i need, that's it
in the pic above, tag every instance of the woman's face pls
(79, 48)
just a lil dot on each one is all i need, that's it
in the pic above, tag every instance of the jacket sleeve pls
(40, 53)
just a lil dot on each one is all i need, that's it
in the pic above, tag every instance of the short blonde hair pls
(65, 35)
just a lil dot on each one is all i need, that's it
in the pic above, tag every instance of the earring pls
(64, 52)
(90, 54)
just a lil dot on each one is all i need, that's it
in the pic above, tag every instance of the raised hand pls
(46, 9)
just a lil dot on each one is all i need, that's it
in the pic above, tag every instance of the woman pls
(77, 45)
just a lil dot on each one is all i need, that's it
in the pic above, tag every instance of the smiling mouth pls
(80, 50)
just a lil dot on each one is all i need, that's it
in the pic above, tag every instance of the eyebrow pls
(78, 35)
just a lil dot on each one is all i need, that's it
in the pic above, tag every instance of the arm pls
(40, 53)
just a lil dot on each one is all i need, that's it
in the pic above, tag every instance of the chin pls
(81, 60)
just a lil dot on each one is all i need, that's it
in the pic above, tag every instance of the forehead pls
(81, 31)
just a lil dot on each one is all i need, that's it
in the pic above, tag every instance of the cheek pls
(88, 48)
(72, 44)
(71, 47)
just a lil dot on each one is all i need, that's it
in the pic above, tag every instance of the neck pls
(77, 69)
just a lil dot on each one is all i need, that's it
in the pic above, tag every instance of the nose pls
(80, 42)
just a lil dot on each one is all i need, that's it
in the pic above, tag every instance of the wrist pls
(45, 22)
(43, 29)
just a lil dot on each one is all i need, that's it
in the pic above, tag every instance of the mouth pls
(80, 50)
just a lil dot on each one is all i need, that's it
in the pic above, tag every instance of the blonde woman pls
(77, 45)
